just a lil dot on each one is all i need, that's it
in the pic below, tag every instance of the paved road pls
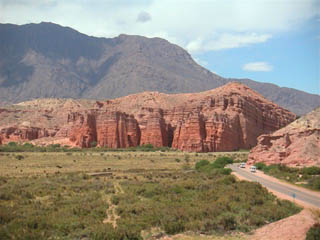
(311, 199)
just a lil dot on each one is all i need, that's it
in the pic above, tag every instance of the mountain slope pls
(47, 60)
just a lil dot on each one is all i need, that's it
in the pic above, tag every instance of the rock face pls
(297, 144)
(224, 119)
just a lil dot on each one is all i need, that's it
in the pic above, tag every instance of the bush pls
(314, 232)
(201, 164)
(215, 167)
(173, 226)
(221, 162)
(226, 171)
(311, 170)
(19, 157)
(148, 145)
(12, 144)
(314, 183)
(260, 165)
(93, 144)
(28, 145)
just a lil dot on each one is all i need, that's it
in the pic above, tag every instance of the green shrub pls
(201, 164)
(215, 167)
(54, 145)
(228, 221)
(314, 232)
(226, 171)
(311, 170)
(28, 145)
(12, 144)
(314, 183)
(148, 145)
(260, 165)
(221, 162)
(173, 226)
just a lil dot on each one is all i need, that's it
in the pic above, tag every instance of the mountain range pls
(47, 60)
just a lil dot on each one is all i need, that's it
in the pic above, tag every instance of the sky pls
(276, 41)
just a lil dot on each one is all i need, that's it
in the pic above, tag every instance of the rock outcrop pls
(224, 119)
(297, 144)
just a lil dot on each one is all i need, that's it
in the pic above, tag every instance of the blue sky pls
(291, 59)
(273, 41)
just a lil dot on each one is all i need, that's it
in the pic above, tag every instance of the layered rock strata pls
(297, 144)
(224, 119)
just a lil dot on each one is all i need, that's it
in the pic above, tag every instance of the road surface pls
(296, 193)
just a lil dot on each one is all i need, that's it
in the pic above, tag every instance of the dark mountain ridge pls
(48, 60)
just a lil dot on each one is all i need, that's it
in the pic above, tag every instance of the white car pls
(253, 169)
(242, 165)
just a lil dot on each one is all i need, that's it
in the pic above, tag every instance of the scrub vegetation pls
(308, 177)
(131, 202)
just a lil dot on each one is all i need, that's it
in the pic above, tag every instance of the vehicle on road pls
(253, 169)
(242, 165)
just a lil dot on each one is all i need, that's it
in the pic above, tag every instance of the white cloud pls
(199, 25)
(226, 41)
(257, 67)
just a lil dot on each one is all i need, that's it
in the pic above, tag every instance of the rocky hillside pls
(297, 144)
(49, 61)
(224, 119)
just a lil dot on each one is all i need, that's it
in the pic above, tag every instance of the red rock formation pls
(190, 135)
(297, 144)
(117, 130)
(83, 130)
(223, 119)
(21, 134)
(107, 129)
(154, 131)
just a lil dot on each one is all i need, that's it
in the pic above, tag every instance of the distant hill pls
(48, 60)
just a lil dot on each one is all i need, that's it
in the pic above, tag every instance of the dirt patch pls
(111, 212)
(291, 228)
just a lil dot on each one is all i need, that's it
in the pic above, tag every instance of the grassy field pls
(37, 163)
(139, 195)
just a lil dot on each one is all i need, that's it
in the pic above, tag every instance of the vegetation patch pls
(123, 206)
(308, 177)
(314, 232)
(28, 147)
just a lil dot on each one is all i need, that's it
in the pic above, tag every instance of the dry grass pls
(53, 162)
(203, 237)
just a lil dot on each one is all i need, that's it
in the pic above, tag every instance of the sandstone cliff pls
(224, 119)
(297, 144)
